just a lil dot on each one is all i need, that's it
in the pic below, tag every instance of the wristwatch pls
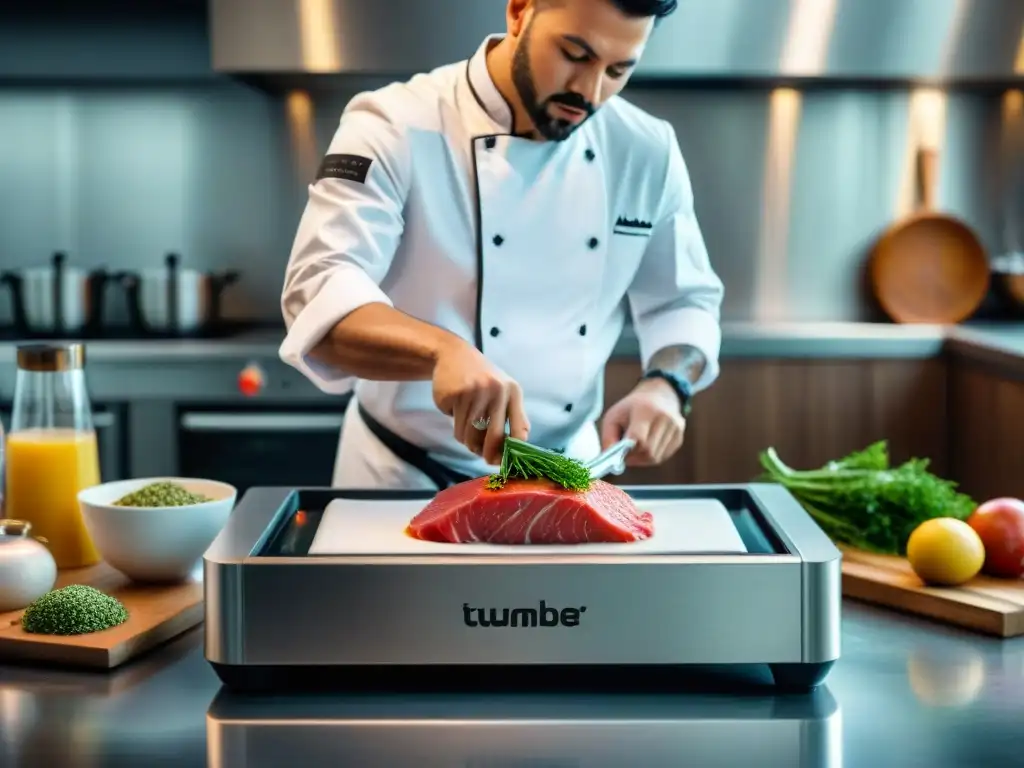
(681, 386)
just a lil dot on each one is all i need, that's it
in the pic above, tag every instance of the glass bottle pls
(2, 483)
(51, 450)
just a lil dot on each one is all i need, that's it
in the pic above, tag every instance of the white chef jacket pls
(534, 251)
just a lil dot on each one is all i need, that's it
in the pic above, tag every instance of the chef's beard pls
(550, 128)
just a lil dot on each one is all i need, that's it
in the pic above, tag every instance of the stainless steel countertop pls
(207, 370)
(906, 692)
(795, 339)
(739, 340)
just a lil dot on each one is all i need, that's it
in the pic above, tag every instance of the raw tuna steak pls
(531, 512)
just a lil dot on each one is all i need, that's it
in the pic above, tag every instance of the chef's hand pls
(649, 415)
(468, 387)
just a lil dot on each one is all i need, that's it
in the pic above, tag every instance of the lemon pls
(945, 551)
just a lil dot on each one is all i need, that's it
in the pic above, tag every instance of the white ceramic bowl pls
(155, 544)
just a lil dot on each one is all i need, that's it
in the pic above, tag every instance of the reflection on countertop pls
(530, 730)
(906, 692)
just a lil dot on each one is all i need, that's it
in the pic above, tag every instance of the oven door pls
(108, 423)
(249, 448)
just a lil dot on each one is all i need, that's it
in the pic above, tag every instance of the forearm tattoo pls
(682, 360)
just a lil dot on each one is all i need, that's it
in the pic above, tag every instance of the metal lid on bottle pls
(51, 357)
(10, 527)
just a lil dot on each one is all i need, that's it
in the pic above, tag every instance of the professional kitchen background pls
(130, 131)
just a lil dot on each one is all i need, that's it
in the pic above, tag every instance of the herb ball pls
(73, 610)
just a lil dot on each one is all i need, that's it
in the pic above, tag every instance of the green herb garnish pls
(73, 610)
(861, 501)
(520, 459)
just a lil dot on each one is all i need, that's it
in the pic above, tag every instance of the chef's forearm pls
(379, 343)
(682, 360)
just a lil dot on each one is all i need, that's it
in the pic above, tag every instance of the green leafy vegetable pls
(861, 501)
(520, 459)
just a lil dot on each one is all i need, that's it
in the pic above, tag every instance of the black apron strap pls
(413, 455)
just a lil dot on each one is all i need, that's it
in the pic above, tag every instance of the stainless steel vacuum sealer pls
(321, 589)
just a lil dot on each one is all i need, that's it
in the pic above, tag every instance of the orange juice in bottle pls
(51, 450)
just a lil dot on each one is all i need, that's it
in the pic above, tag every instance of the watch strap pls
(682, 387)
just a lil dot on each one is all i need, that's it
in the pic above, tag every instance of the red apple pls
(1000, 524)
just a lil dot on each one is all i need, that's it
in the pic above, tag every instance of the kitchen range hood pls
(881, 40)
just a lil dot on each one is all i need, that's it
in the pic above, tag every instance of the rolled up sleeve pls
(346, 241)
(676, 296)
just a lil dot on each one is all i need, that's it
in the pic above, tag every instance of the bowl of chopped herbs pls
(156, 529)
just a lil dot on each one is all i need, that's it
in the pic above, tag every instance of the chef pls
(474, 242)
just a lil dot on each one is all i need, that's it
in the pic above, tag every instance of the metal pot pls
(173, 300)
(1008, 280)
(56, 299)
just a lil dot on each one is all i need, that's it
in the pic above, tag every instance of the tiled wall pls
(118, 177)
(790, 190)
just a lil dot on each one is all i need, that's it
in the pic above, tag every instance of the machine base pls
(570, 678)
(800, 677)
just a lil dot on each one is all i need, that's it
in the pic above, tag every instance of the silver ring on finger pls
(482, 424)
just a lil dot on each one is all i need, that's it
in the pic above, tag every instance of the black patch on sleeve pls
(349, 167)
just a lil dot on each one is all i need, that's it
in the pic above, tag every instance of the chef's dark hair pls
(643, 8)
(659, 9)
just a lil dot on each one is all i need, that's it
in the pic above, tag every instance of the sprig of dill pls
(520, 459)
(861, 501)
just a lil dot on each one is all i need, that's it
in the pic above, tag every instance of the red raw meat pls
(531, 512)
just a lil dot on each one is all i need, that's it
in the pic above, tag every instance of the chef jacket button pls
(583, 330)
(593, 243)
(490, 142)
(498, 240)
(568, 407)
(495, 331)
(589, 154)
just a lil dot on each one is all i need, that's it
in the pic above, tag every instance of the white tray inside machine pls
(360, 527)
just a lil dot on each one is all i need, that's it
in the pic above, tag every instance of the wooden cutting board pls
(984, 604)
(155, 615)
